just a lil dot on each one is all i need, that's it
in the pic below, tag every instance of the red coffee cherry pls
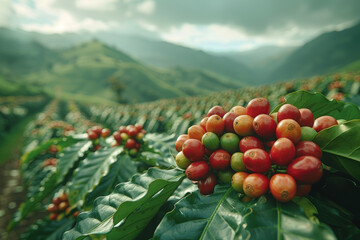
(288, 111)
(255, 185)
(258, 106)
(305, 169)
(257, 160)
(282, 187)
(197, 170)
(282, 152)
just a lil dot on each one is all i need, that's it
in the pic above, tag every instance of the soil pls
(12, 194)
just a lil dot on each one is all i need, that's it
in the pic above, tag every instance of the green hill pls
(87, 68)
(20, 54)
(327, 53)
(158, 53)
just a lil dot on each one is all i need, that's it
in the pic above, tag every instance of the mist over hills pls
(327, 53)
(87, 68)
(151, 69)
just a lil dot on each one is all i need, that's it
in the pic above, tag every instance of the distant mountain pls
(263, 60)
(87, 68)
(158, 53)
(21, 54)
(327, 53)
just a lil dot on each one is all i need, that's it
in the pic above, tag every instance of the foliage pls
(125, 197)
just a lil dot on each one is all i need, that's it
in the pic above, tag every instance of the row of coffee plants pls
(15, 109)
(176, 115)
(127, 189)
(120, 197)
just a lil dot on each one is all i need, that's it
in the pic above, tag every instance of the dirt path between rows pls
(12, 194)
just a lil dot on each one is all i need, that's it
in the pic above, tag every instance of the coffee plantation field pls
(79, 187)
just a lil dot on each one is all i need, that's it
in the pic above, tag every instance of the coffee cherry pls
(305, 169)
(282, 152)
(180, 141)
(257, 160)
(255, 185)
(193, 150)
(308, 148)
(215, 124)
(258, 106)
(324, 122)
(306, 117)
(197, 170)
(250, 142)
(243, 125)
(207, 185)
(282, 187)
(289, 128)
(288, 111)
(237, 181)
(216, 110)
(264, 126)
(219, 160)
(196, 132)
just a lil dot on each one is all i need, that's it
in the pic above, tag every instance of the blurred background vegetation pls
(46, 48)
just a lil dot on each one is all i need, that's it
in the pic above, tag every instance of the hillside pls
(158, 53)
(21, 54)
(263, 60)
(87, 68)
(327, 53)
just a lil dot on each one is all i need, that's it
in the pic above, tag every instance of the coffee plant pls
(86, 182)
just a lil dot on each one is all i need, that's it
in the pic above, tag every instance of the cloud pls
(206, 24)
(146, 7)
(67, 23)
(6, 13)
(99, 5)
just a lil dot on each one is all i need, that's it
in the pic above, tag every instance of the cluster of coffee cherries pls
(254, 150)
(60, 208)
(50, 162)
(131, 137)
(94, 133)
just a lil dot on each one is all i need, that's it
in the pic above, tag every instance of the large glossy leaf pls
(270, 219)
(130, 207)
(223, 216)
(62, 142)
(321, 106)
(47, 229)
(340, 220)
(120, 171)
(89, 173)
(51, 178)
(341, 147)
(46, 187)
(186, 187)
(163, 145)
(68, 158)
(216, 216)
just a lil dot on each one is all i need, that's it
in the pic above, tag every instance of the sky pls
(211, 25)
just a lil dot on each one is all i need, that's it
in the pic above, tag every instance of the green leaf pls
(47, 229)
(321, 106)
(341, 148)
(89, 173)
(119, 171)
(338, 218)
(130, 207)
(216, 216)
(69, 157)
(270, 219)
(186, 187)
(223, 215)
(62, 142)
(46, 187)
